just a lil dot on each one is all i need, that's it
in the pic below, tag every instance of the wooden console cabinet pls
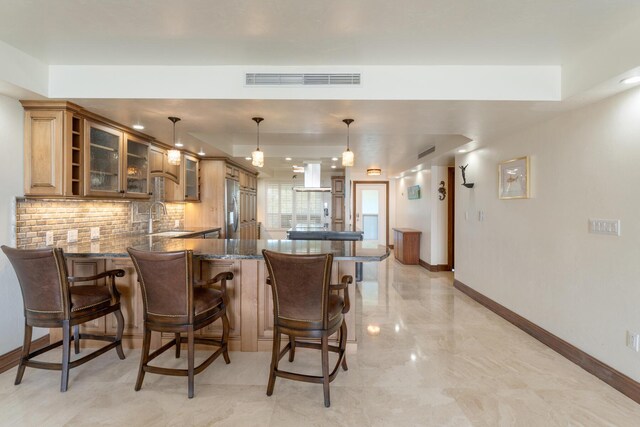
(407, 245)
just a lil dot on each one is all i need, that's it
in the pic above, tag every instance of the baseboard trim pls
(433, 268)
(12, 358)
(606, 373)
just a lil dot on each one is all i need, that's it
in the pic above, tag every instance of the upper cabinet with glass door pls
(103, 160)
(191, 184)
(136, 178)
(118, 164)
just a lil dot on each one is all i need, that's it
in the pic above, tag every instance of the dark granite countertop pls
(225, 249)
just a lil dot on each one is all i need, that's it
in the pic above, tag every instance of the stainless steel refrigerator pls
(232, 209)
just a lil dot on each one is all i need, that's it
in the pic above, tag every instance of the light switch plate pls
(95, 233)
(604, 226)
(49, 238)
(72, 236)
(176, 224)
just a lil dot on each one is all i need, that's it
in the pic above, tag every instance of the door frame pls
(354, 192)
(451, 178)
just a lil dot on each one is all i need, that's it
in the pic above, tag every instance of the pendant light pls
(347, 155)
(173, 154)
(257, 157)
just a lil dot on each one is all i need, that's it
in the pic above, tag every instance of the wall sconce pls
(374, 172)
(464, 179)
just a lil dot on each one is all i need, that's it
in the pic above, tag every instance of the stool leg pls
(178, 345)
(26, 346)
(119, 331)
(274, 360)
(66, 344)
(76, 339)
(325, 369)
(191, 359)
(292, 349)
(343, 345)
(146, 343)
(225, 338)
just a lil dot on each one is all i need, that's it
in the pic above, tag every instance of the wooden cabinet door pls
(337, 185)
(208, 270)
(103, 160)
(136, 170)
(156, 160)
(83, 267)
(190, 179)
(171, 171)
(130, 299)
(43, 153)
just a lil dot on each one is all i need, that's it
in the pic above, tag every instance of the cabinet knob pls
(151, 193)
(121, 191)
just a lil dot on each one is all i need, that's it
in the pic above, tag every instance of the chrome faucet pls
(164, 211)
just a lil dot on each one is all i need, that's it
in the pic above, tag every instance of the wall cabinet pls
(188, 187)
(117, 163)
(52, 150)
(159, 165)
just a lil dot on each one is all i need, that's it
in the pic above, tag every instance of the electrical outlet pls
(605, 226)
(72, 236)
(176, 224)
(633, 341)
(49, 238)
(95, 233)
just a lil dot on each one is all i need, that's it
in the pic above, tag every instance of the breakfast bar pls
(250, 309)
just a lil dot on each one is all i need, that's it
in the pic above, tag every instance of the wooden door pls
(103, 160)
(43, 153)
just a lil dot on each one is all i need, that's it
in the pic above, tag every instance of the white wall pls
(11, 176)
(416, 213)
(439, 217)
(536, 256)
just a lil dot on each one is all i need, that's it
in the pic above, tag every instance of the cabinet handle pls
(121, 191)
(151, 193)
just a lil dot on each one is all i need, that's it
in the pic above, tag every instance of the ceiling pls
(386, 134)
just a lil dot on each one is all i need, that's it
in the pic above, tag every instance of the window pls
(286, 208)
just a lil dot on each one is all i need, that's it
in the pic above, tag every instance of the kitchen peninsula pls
(250, 309)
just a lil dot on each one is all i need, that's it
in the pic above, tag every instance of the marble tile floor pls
(439, 359)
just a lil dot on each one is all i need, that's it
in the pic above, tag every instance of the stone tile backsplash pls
(34, 217)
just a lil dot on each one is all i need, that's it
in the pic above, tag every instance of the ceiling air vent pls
(278, 79)
(427, 152)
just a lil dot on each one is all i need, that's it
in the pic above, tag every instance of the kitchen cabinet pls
(52, 149)
(117, 162)
(137, 176)
(188, 187)
(160, 166)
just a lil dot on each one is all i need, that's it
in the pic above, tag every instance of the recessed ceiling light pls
(462, 150)
(396, 177)
(414, 170)
(631, 80)
(201, 153)
(247, 158)
(179, 144)
(288, 159)
(333, 166)
(138, 127)
(334, 159)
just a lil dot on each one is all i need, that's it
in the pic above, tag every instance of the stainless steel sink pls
(174, 233)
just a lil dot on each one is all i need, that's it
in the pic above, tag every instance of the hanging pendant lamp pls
(257, 157)
(347, 155)
(173, 154)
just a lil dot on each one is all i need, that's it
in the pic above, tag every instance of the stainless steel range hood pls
(312, 179)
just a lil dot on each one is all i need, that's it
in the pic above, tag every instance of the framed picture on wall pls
(413, 192)
(513, 178)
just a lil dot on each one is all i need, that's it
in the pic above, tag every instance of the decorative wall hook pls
(442, 192)
(464, 178)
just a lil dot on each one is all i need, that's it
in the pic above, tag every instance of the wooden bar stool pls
(51, 302)
(305, 307)
(174, 303)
